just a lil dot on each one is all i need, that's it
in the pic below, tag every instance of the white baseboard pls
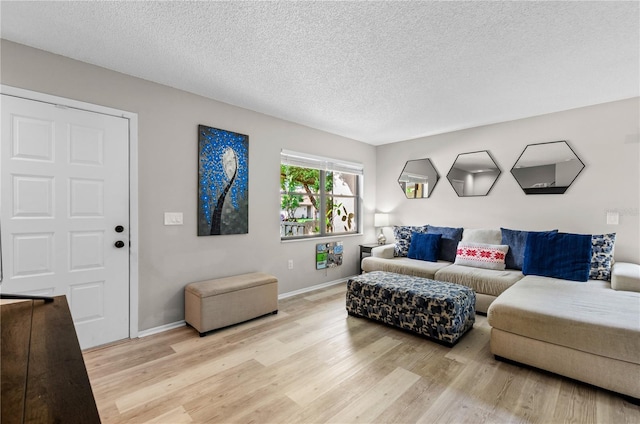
(182, 323)
(160, 329)
(312, 288)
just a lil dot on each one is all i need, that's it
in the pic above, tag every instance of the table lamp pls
(381, 220)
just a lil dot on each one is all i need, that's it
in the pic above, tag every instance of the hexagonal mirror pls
(418, 178)
(473, 174)
(547, 168)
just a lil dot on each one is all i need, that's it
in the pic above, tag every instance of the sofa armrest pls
(385, 251)
(625, 276)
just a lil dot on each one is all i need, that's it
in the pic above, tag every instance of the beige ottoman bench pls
(221, 302)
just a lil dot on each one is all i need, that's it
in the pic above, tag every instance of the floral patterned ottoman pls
(441, 311)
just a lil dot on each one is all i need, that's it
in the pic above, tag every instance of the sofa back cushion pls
(424, 247)
(449, 241)
(486, 236)
(558, 255)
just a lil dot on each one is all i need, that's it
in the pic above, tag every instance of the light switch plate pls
(613, 218)
(173, 218)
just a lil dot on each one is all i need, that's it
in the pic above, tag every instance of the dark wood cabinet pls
(43, 375)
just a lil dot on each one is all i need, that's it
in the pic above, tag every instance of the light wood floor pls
(312, 363)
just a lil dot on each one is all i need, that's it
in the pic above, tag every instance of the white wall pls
(605, 137)
(171, 256)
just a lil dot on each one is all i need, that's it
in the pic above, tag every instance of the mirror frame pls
(493, 183)
(543, 188)
(430, 190)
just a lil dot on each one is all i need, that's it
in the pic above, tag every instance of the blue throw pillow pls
(448, 243)
(424, 247)
(516, 240)
(558, 255)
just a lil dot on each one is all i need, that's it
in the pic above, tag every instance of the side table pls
(365, 249)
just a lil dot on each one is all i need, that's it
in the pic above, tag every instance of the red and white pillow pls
(480, 255)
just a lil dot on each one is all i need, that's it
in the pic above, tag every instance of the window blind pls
(304, 160)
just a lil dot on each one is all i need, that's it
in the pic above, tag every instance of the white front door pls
(65, 192)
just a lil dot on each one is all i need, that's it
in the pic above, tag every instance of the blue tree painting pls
(223, 183)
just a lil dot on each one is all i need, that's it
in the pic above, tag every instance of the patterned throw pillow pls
(480, 255)
(602, 256)
(402, 235)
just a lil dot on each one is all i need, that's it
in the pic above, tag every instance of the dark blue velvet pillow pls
(558, 255)
(516, 240)
(424, 247)
(448, 243)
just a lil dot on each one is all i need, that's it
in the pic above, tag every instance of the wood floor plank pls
(202, 399)
(575, 404)
(192, 374)
(102, 366)
(479, 399)
(335, 291)
(227, 334)
(175, 416)
(312, 363)
(538, 397)
(612, 409)
(302, 341)
(325, 314)
(376, 400)
(327, 378)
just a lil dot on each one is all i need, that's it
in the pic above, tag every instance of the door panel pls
(32, 139)
(32, 196)
(87, 300)
(33, 254)
(86, 250)
(65, 182)
(86, 146)
(86, 198)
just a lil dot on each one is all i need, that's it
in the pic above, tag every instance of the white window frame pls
(305, 160)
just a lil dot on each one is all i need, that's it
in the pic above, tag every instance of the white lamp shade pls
(381, 220)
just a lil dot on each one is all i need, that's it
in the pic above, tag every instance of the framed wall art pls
(329, 255)
(223, 182)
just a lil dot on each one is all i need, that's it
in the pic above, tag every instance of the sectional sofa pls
(585, 326)
(488, 283)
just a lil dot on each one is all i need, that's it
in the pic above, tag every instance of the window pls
(318, 196)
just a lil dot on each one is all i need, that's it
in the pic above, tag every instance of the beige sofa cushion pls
(384, 251)
(405, 266)
(590, 317)
(625, 276)
(487, 236)
(488, 281)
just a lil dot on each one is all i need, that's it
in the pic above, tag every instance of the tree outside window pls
(315, 202)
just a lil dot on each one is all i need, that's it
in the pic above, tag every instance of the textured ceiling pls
(377, 72)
